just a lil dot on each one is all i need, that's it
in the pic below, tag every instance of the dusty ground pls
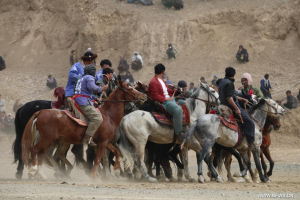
(285, 180)
(37, 36)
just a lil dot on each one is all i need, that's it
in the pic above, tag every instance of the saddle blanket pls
(72, 116)
(233, 126)
(165, 119)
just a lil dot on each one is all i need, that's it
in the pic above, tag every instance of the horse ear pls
(120, 83)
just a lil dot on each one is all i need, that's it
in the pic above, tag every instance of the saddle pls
(76, 115)
(228, 120)
(162, 117)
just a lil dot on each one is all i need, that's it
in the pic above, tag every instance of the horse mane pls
(260, 103)
(191, 102)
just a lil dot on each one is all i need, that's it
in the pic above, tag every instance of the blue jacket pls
(99, 75)
(263, 87)
(86, 86)
(75, 73)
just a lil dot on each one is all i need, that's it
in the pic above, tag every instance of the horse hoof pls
(56, 175)
(172, 179)
(265, 180)
(269, 174)
(237, 174)
(192, 180)
(201, 179)
(219, 179)
(117, 173)
(152, 180)
(18, 176)
(30, 176)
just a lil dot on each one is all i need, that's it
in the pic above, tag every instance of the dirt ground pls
(284, 181)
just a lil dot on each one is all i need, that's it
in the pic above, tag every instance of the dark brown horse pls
(54, 125)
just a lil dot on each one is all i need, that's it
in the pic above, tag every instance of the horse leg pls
(116, 152)
(268, 156)
(250, 168)
(33, 166)
(20, 169)
(213, 170)
(149, 157)
(99, 152)
(184, 158)
(41, 156)
(247, 164)
(77, 150)
(203, 156)
(141, 165)
(263, 163)
(173, 156)
(236, 154)
(256, 155)
(90, 156)
(165, 163)
(64, 147)
(53, 161)
(228, 160)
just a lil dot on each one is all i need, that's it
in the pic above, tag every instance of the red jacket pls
(156, 91)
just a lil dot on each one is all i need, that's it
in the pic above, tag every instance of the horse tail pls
(17, 145)
(192, 128)
(77, 150)
(125, 147)
(220, 159)
(28, 138)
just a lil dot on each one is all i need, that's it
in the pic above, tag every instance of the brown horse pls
(54, 125)
(264, 148)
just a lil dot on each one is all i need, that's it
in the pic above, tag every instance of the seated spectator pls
(128, 78)
(213, 82)
(123, 65)
(171, 52)
(202, 79)
(147, 2)
(9, 123)
(2, 104)
(242, 55)
(178, 4)
(51, 82)
(166, 79)
(137, 61)
(168, 3)
(2, 63)
(3, 117)
(291, 101)
(192, 87)
(17, 105)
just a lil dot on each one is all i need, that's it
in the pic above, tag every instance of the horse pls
(148, 129)
(23, 115)
(54, 125)
(210, 131)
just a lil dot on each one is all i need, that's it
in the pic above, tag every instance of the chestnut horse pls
(54, 125)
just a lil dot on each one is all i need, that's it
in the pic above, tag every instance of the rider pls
(83, 97)
(76, 72)
(248, 89)
(108, 75)
(228, 98)
(184, 92)
(159, 91)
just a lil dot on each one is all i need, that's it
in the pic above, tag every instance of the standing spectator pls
(171, 52)
(123, 65)
(2, 104)
(9, 122)
(137, 61)
(51, 82)
(291, 101)
(166, 79)
(265, 86)
(128, 78)
(73, 58)
(3, 117)
(213, 82)
(2, 63)
(192, 87)
(242, 55)
(17, 105)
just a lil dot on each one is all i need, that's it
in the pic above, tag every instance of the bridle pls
(136, 99)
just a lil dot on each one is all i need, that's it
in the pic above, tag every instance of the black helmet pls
(90, 70)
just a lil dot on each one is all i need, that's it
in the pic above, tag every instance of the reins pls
(125, 100)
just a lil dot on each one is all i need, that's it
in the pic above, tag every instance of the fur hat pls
(89, 56)
(182, 84)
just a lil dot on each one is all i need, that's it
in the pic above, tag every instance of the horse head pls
(211, 93)
(273, 108)
(275, 121)
(141, 87)
(131, 94)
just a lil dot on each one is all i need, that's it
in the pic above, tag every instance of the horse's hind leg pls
(201, 156)
(116, 152)
(41, 156)
(184, 158)
(20, 169)
(256, 155)
(268, 156)
(247, 164)
(263, 163)
(173, 156)
(63, 149)
(215, 174)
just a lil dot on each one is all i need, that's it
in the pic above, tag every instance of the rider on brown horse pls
(83, 97)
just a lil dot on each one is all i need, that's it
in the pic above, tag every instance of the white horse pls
(139, 126)
(210, 130)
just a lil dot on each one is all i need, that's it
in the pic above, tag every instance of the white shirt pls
(165, 89)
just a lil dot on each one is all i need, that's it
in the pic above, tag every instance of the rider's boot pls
(89, 140)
